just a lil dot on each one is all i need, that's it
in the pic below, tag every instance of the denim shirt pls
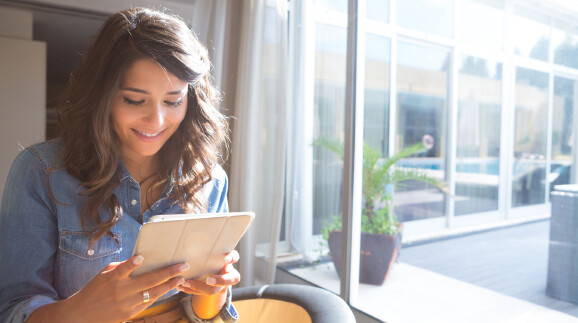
(44, 252)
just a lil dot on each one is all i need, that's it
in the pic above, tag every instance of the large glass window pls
(375, 254)
(377, 10)
(501, 77)
(428, 16)
(337, 5)
(565, 43)
(531, 35)
(422, 82)
(562, 131)
(475, 13)
(478, 130)
(330, 48)
(377, 60)
(530, 138)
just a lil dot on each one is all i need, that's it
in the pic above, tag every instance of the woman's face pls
(147, 109)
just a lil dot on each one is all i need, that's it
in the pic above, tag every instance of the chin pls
(149, 152)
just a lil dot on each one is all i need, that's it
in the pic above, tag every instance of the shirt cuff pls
(23, 310)
(227, 314)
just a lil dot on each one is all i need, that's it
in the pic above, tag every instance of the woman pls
(140, 137)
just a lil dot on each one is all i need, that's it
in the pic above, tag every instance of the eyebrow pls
(132, 89)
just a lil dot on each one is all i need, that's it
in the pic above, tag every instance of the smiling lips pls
(148, 137)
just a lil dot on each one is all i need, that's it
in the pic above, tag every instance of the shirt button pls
(90, 252)
(133, 202)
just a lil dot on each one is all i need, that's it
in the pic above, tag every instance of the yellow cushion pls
(270, 310)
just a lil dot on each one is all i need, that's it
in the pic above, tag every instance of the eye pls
(131, 102)
(174, 104)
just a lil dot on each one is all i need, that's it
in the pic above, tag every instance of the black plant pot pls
(378, 253)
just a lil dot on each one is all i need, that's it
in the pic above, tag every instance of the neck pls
(141, 169)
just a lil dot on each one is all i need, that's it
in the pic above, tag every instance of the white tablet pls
(201, 240)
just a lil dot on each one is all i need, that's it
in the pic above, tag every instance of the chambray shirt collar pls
(124, 175)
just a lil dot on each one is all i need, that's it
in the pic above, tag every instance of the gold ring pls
(146, 296)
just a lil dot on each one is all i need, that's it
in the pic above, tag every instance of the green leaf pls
(378, 173)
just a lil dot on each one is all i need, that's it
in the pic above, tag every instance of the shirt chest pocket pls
(78, 263)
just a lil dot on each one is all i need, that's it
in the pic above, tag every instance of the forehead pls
(146, 74)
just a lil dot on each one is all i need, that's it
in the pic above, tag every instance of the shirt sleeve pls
(227, 314)
(28, 241)
(217, 192)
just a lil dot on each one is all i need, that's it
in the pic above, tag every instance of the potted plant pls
(381, 230)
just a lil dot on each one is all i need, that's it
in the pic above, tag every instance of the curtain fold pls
(250, 63)
(210, 22)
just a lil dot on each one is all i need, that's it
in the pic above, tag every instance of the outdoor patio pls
(493, 276)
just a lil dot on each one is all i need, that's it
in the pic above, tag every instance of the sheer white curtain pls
(210, 23)
(249, 40)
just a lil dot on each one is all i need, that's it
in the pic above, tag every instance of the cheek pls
(121, 121)
(178, 117)
(116, 120)
(182, 116)
(121, 117)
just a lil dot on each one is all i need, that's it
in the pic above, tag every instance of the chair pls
(291, 303)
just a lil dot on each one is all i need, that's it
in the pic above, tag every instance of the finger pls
(125, 268)
(157, 291)
(226, 269)
(200, 288)
(187, 287)
(229, 276)
(232, 257)
(160, 276)
(224, 280)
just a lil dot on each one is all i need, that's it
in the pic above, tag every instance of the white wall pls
(182, 7)
(15, 23)
(22, 87)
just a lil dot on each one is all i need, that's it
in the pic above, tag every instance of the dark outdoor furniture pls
(563, 251)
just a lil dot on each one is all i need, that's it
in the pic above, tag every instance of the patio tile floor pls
(494, 276)
(511, 261)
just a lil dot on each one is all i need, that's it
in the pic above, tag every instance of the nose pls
(155, 116)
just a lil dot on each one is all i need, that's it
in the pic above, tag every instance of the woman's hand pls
(114, 296)
(215, 284)
(209, 296)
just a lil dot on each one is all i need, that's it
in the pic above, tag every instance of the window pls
(565, 43)
(531, 121)
(428, 16)
(531, 34)
(473, 14)
(563, 131)
(478, 129)
(488, 87)
(330, 48)
(377, 83)
(422, 83)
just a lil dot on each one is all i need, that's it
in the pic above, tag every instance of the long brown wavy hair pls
(91, 149)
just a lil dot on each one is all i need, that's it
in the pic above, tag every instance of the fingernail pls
(228, 259)
(184, 267)
(211, 281)
(186, 284)
(180, 281)
(137, 260)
